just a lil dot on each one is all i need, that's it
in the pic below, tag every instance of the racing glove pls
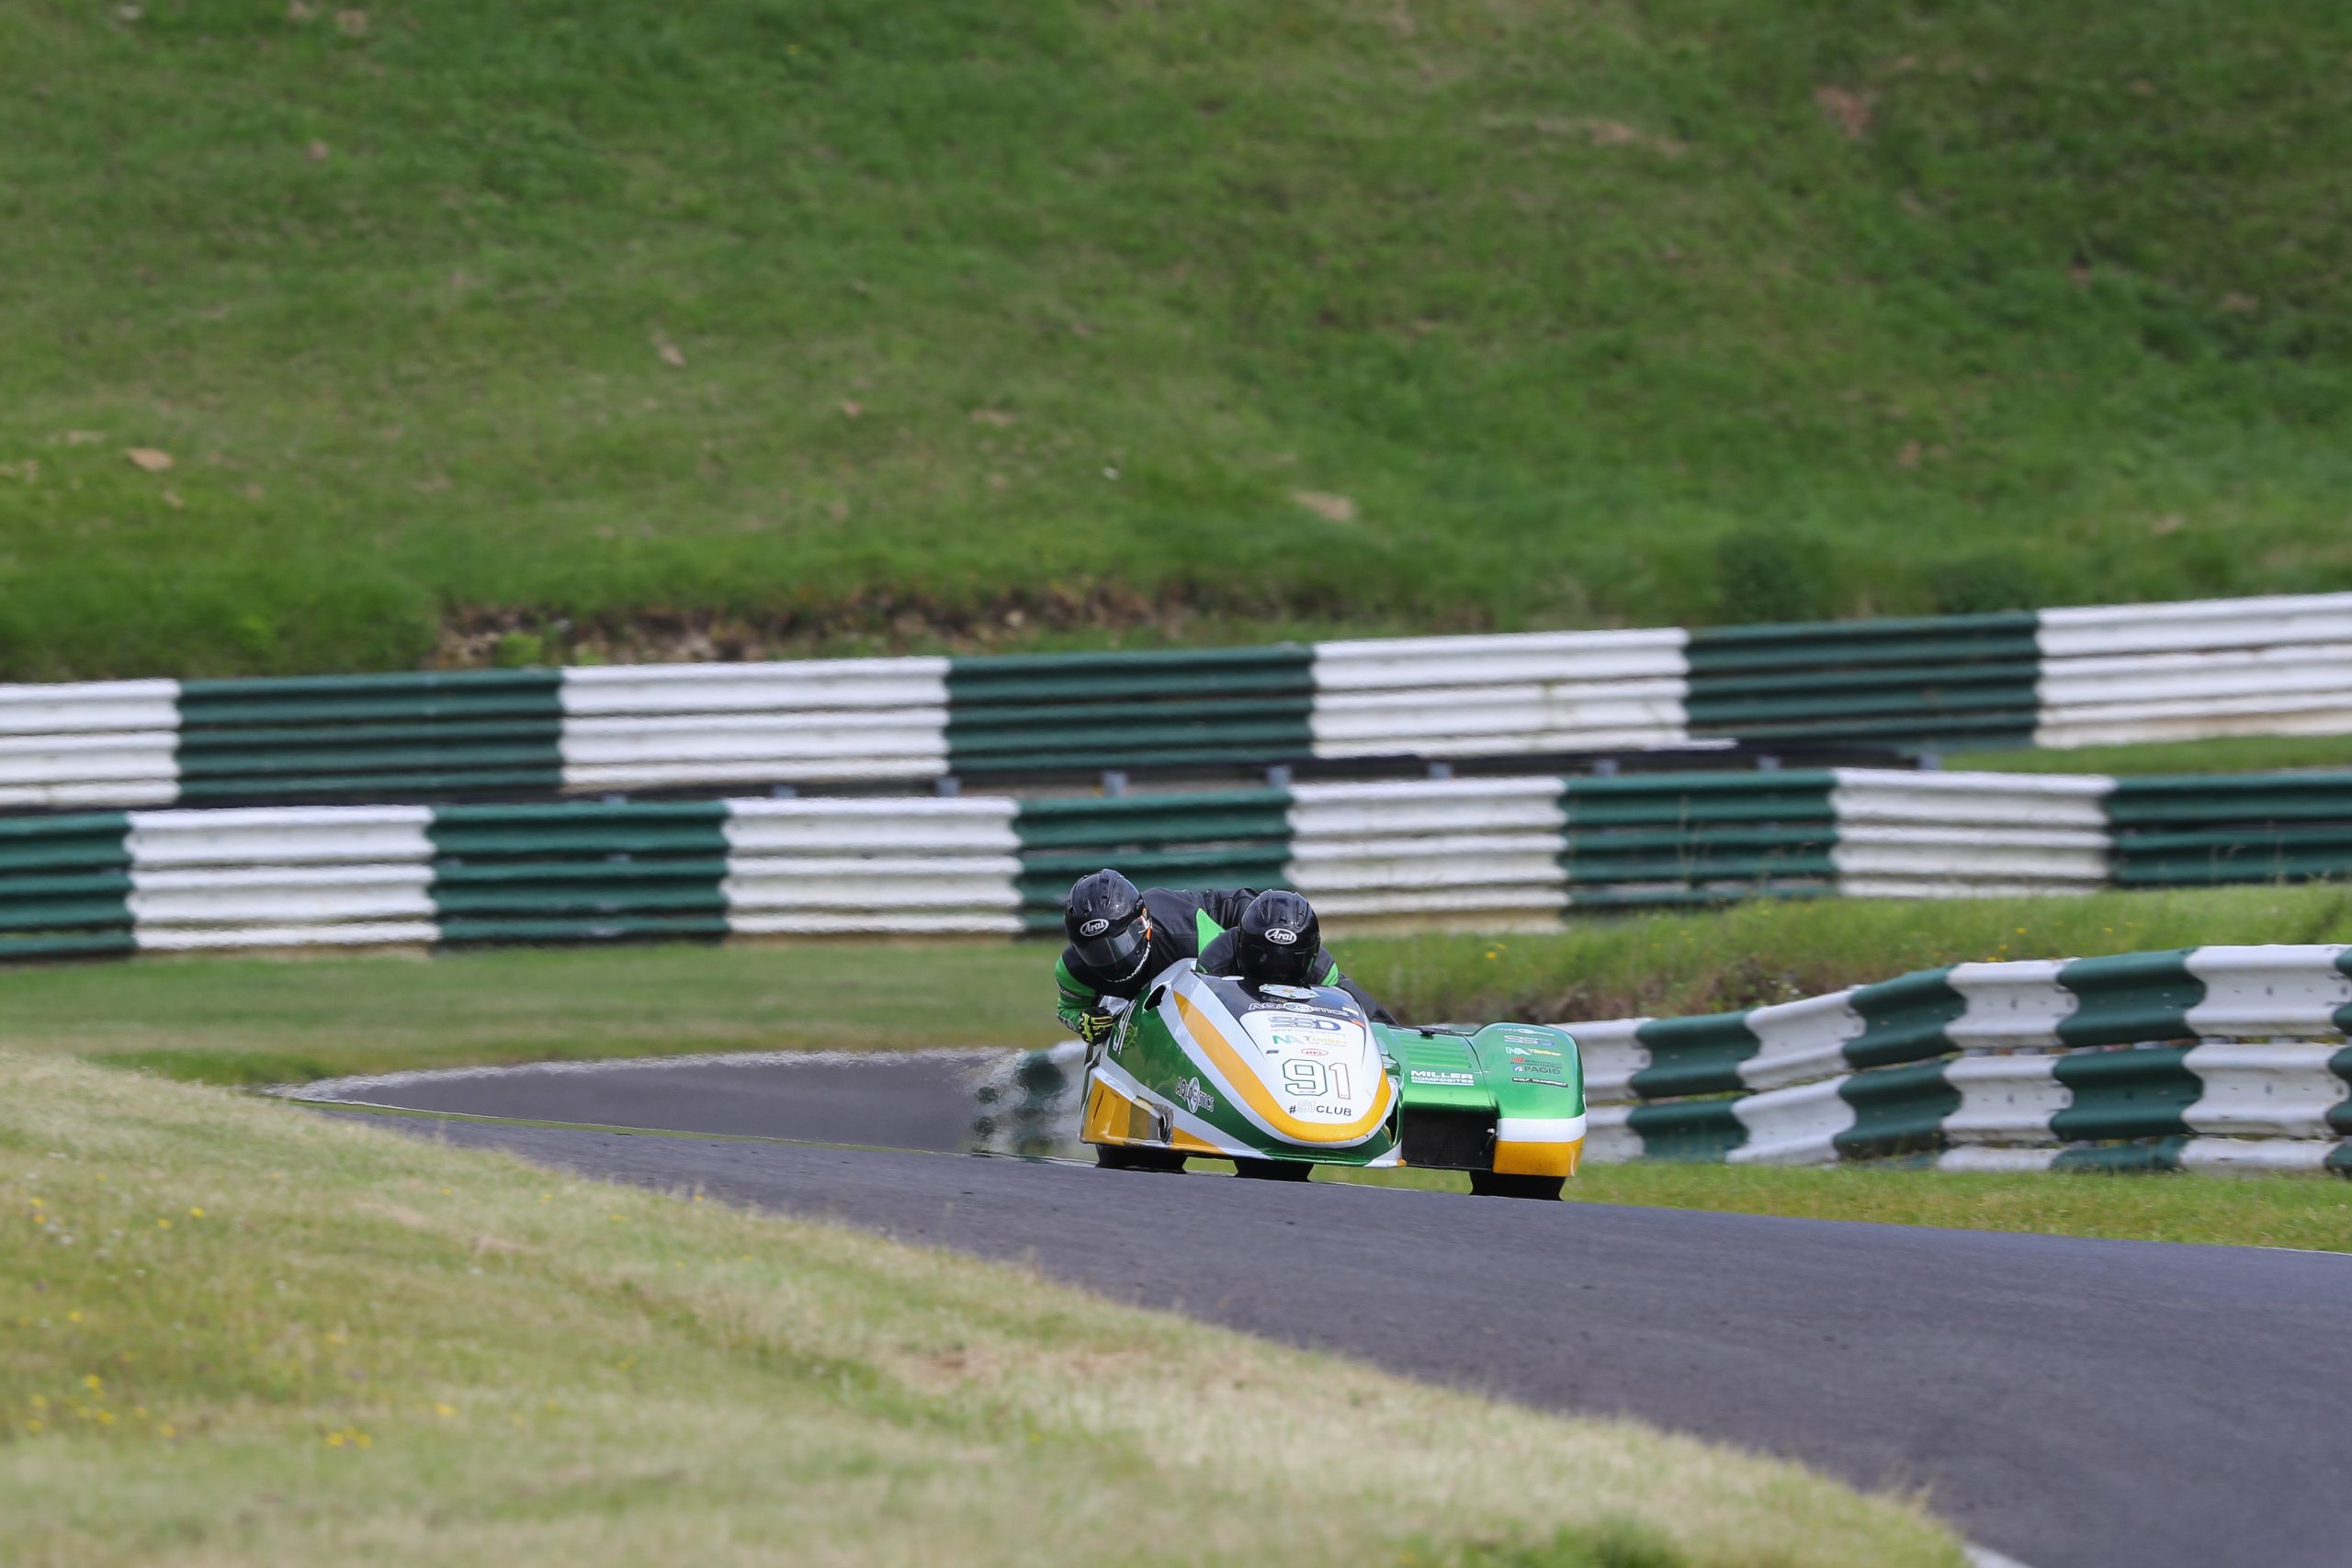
(1094, 1025)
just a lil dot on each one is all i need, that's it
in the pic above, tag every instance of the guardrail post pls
(1278, 777)
(1604, 767)
(947, 787)
(1766, 763)
(783, 792)
(1114, 781)
(1437, 771)
(1931, 762)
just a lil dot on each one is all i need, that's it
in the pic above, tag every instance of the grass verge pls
(253, 1020)
(470, 332)
(257, 1021)
(2313, 1213)
(228, 1332)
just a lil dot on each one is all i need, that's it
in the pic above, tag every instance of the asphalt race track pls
(2066, 1402)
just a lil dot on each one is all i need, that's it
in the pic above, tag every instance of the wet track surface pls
(2063, 1401)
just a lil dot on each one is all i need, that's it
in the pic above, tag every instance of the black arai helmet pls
(1278, 940)
(1107, 923)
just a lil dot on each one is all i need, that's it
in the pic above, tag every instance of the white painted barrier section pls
(645, 725)
(280, 835)
(1792, 1126)
(2004, 1099)
(1482, 846)
(1607, 1138)
(2113, 674)
(1800, 1041)
(2265, 1091)
(89, 743)
(1927, 835)
(281, 876)
(813, 867)
(2011, 1006)
(1612, 1053)
(1494, 695)
(2269, 992)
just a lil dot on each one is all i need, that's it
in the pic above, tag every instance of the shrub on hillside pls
(1765, 574)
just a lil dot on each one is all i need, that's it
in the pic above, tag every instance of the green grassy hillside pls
(783, 324)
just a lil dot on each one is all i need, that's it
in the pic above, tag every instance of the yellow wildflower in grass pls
(163, 1225)
(168, 1430)
(195, 1213)
(74, 1316)
(445, 1410)
(92, 1382)
(33, 1427)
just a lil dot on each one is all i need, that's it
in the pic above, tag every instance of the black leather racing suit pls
(1182, 923)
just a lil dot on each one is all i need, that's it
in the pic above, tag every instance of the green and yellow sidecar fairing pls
(1282, 1078)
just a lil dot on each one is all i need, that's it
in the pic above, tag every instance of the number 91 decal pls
(1309, 1079)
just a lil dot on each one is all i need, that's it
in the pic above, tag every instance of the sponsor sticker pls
(1195, 1097)
(1451, 1079)
(1548, 1083)
(1094, 926)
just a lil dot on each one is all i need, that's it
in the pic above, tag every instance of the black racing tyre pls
(1273, 1169)
(1493, 1184)
(1120, 1156)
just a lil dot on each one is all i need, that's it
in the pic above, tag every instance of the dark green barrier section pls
(1218, 707)
(1224, 839)
(579, 872)
(2194, 831)
(1700, 1131)
(1904, 1018)
(64, 886)
(1897, 1110)
(1693, 1056)
(2125, 1094)
(1674, 839)
(2130, 998)
(1961, 680)
(374, 738)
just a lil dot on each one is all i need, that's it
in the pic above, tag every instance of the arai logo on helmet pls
(1282, 936)
(1094, 926)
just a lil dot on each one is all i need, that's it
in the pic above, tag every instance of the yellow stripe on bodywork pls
(1538, 1159)
(1236, 1073)
(1109, 1116)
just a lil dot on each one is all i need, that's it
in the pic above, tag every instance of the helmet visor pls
(1265, 963)
(1117, 950)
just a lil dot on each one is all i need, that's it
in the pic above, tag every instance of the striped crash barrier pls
(1484, 855)
(410, 876)
(2053, 678)
(2214, 1058)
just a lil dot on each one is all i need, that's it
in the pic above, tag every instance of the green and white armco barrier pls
(2053, 678)
(1488, 854)
(2205, 1058)
(365, 876)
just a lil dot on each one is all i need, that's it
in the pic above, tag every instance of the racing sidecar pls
(1282, 1079)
